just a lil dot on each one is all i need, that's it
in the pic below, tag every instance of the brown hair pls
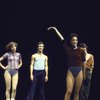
(40, 43)
(9, 45)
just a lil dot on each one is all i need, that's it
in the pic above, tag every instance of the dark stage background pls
(26, 22)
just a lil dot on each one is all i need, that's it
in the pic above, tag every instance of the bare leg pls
(14, 85)
(78, 83)
(7, 77)
(8, 99)
(69, 85)
(12, 98)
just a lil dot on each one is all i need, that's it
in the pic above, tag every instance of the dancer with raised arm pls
(75, 57)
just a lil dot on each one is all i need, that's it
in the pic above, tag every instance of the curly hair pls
(9, 45)
(83, 45)
(73, 35)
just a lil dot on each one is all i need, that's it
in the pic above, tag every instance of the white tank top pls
(39, 63)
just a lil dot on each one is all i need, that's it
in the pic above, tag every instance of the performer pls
(38, 72)
(75, 57)
(84, 92)
(11, 70)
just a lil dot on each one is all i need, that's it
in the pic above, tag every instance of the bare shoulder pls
(18, 53)
(45, 56)
(34, 55)
(91, 55)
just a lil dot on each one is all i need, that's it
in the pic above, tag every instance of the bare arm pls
(1, 58)
(20, 64)
(3, 67)
(31, 67)
(57, 32)
(84, 70)
(92, 64)
(46, 68)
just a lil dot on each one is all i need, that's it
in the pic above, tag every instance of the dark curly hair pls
(9, 45)
(83, 45)
(73, 35)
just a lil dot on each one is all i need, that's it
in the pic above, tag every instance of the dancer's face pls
(74, 41)
(13, 48)
(40, 47)
(85, 49)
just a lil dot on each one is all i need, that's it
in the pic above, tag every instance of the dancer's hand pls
(51, 28)
(31, 77)
(46, 78)
(91, 70)
(5, 67)
(57, 32)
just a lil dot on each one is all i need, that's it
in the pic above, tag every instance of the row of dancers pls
(80, 65)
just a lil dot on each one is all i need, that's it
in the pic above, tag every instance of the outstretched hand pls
(57, 32)
(51, 28)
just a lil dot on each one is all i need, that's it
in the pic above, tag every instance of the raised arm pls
(57, 32)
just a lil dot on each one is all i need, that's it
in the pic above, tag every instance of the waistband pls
(75, 66)
(38, 70)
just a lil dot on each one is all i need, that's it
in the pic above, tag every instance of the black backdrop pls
(26, 22)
